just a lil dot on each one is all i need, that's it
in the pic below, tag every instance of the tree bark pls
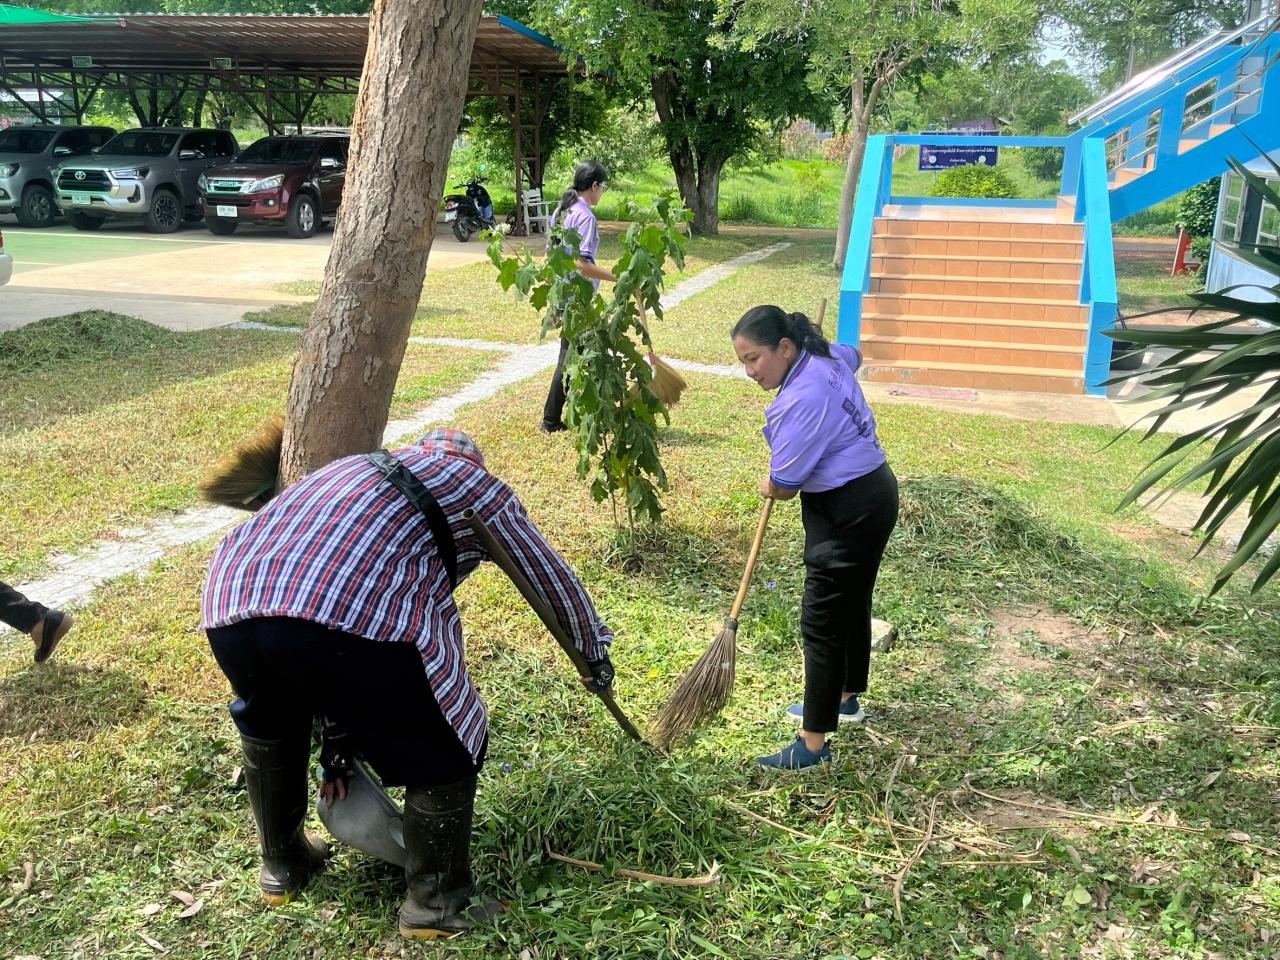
(406, 116)
(859, 125)
(700, 193)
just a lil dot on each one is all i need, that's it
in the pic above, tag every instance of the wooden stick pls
(707, 880)
(738, 808)
(901, 875)
(822, 312)
(751, 559)
(504, 560)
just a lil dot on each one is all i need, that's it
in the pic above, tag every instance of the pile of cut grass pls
(87, 337)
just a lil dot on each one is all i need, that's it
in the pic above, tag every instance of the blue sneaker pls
(796, 756)
(850, 711)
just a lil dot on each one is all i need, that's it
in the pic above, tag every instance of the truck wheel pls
(37, 208)
(221, 226)
(165, 215)
(83, 221)
(302, 219)
(461, 232)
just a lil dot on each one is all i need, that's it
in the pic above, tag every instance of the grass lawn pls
(1055, 656)
(467, 301)
(1143, 283)
(120, 427)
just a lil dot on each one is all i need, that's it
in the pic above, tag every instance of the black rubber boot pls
(275, 774)
(437, 842)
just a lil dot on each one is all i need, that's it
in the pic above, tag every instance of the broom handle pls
(751, 559)
(504, 560)
(822, 312)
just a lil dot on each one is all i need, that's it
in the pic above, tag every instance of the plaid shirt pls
(344, 548)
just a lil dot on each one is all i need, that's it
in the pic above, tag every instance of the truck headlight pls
(8, 169)
(130, 173)
(203, 182)
(266, 183)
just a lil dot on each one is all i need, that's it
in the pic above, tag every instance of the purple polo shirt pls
(581, 218)
(820, 431)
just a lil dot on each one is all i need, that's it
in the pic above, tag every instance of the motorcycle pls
(469, 212)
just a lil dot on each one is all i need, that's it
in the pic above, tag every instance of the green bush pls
(1200, 247)
(1044, 163)
(1199, 208)
(973, 180)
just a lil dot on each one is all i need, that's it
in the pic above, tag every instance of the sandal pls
(51, 628)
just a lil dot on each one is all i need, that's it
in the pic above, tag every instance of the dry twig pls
(707, 880)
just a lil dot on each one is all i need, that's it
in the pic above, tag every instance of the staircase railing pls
(1193, 57)
(1098, 271)
(1148, 133)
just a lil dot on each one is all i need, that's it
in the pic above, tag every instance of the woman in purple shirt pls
(823, 445)
(590, 180)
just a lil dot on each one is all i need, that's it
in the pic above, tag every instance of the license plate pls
(224, 211)
(450, 215)
(81, 198)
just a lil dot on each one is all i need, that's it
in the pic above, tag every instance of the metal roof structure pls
(304, 45)
(277, 64)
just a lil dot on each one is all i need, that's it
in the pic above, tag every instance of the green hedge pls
(973, 180)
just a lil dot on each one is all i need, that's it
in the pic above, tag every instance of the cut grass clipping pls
(78, 337)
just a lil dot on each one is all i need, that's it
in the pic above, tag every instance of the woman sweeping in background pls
(823, 445)
(574, 212)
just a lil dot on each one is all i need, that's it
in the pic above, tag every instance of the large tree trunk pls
(406, 116)
(700, 192)
(860, 110)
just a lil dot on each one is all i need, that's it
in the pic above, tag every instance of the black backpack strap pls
(404, 480)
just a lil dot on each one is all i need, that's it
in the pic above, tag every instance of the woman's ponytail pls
(585, 176)
(767, 325)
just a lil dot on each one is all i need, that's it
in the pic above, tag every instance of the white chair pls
(536, 213)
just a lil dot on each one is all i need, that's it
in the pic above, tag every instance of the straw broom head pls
(667, 384)
(702, 692)
(246, 477)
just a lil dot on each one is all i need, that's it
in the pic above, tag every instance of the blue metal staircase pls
(987, 308)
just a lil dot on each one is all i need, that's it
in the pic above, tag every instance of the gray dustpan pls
(367, 819)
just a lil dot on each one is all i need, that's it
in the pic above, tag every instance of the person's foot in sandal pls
(46, 634)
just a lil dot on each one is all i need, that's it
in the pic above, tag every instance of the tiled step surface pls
(974, 377)
(1031, 357)
(971, 303)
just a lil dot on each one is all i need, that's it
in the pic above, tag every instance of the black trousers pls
(845, 533)
(553, 409)
(19, 612)
(286, 671)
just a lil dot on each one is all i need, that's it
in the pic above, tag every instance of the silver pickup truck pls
(28, 155)
(151, 172)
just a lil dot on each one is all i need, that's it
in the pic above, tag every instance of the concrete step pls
(1045, 333)
(975, 376)
(1018, 268)
(928, 351)
(1035, 309)
(977, 229)
(1002, 288)
(933, 244)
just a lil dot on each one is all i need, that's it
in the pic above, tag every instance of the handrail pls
(855, 277)
(1166, 67)
(1098, 271)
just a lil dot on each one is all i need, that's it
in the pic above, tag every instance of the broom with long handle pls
(518, 577)
(704, 690)
(667, 384)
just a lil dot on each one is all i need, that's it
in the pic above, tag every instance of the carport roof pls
(299, 44)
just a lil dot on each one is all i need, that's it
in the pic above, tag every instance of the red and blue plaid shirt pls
(344, 548)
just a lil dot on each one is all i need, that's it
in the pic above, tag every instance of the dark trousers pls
(286, 671)
(845, 533)
(19, 612)
(553, 409)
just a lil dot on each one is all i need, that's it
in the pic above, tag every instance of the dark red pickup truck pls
(294, 180)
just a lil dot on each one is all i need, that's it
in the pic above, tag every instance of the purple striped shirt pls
(344, 548)
(820, 431)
